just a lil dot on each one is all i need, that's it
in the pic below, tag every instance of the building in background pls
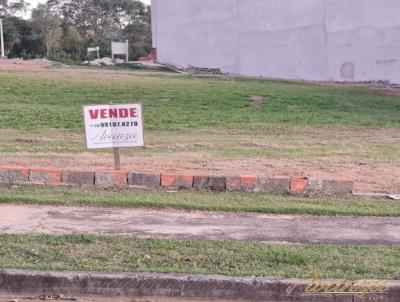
(322, 40)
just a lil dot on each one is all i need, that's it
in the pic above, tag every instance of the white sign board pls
(118, 48)
(90, 49)
(94, 49)
(114, 126)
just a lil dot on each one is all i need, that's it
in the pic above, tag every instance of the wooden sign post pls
(117, 159)
(114, 126)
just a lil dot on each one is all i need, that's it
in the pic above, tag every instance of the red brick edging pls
(124, 179)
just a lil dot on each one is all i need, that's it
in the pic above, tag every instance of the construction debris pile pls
(106, 61)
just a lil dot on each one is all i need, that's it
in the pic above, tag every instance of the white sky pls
(34, 3)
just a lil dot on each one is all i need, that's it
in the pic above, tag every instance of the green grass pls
(53, 98)
(118, 254)
(236, 202)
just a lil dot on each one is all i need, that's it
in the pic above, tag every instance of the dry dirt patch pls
(28, 65)
(371, 158)
(256, 100)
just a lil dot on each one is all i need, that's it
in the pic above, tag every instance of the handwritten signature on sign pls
(104, 136)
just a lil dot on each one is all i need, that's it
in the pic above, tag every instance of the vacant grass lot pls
(232, 202)
(54, 99)
(203, 124)
(89, 253)
(207, 125)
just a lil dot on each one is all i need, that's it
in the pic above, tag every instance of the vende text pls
(113, 113)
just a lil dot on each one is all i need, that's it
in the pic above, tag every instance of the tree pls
(109, 20)
(94, 15)
(63, 29)
(21, 41)
(9, 8)
(138, 31)
(48, 26)
(73, 43)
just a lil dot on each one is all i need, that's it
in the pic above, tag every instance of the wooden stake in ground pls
(117, 159)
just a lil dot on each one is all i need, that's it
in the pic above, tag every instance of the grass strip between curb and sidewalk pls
(120, 254)
(229, 202)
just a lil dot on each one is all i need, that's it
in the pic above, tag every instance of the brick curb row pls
(123, 179)
(177, 286)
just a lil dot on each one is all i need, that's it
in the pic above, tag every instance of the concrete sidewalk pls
(148, 223)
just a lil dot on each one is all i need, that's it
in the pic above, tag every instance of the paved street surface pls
(146, 223)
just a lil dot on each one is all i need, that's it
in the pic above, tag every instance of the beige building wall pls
(337, 40)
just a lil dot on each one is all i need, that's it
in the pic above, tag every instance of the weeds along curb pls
(169, 285)
(124, 179)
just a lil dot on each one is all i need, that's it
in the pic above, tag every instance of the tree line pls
(64, 29)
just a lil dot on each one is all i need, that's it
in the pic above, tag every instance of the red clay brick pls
(329, 187)
(298, 185)
(241, 183)
(248, 183)
(77, 178)
(273, 185)
(212, 183)
(234, 184)
(44, 176)
(144, 180)
(111, 179)
(177, 181)
(14, 175)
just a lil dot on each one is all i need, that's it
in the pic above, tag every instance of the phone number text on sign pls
(114, 126)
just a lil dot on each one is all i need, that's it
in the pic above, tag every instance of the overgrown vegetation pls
(62, 30)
